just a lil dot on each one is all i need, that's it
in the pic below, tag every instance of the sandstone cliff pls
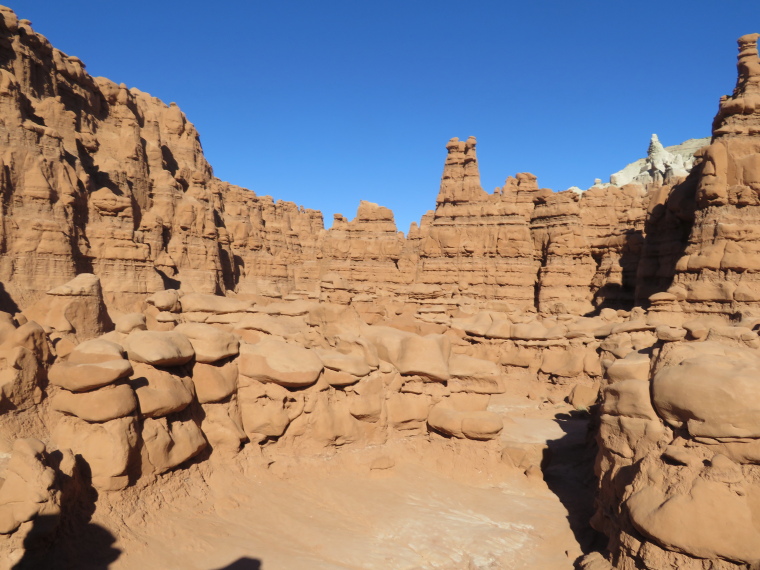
(105, 179)
(158, 319)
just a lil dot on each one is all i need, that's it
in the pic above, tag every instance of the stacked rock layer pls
(155, 316)
(103, 179)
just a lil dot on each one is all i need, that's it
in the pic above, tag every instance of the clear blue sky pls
(327, 102)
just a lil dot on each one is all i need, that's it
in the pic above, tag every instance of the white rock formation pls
(662, 164)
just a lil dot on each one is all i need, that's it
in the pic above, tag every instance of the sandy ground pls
(428, 503)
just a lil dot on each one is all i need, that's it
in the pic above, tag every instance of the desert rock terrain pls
(195, 376)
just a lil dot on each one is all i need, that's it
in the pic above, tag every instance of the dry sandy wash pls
(193, 376)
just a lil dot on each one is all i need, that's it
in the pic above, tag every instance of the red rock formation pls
(103, 179)
(718, 272)
(107, 198)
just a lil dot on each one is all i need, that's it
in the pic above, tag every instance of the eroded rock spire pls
(461, 178)
(739, 113)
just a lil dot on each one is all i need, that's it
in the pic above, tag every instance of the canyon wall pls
(156, 316)
(105, 179)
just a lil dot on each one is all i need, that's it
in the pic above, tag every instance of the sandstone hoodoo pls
(527, 379)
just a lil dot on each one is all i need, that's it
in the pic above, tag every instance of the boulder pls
(129, 322)
(712, 395)
(210, 343)
(96, 350)
(267, 409)
(82, 377)
(214, 383)
(159, 392)
(166, 443)
(168, 300)
(100, 406)
(280, 362)
(166, 348)
(351, 364)
(28, 489)
(105, 447)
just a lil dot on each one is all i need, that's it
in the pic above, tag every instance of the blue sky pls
(325, 103)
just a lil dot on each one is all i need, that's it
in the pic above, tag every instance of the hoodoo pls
(192, 375)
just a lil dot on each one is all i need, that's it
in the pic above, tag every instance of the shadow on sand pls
(69, 540)
(244, 564)
(569, 473)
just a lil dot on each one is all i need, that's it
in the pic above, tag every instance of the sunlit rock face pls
(168, 333)
(103, 179)
(718, 271)
(679, 447)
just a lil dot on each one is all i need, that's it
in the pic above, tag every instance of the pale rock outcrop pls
(159, 348)
(662, 164)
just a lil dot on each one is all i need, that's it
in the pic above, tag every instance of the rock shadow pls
(569, 473)
(69, 540)
(648, 257)
(244, 563)
(7, 303)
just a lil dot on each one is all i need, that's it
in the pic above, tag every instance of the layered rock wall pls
(108, 203)
(678, 439)
(718, 271)
(105, 179)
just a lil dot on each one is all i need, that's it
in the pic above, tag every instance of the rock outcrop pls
(103, 179)
(158, 319)
(678, 438)
(662, 165)
(717, 273)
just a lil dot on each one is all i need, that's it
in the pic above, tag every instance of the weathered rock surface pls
(662, 164)
(162, 320)
(157, 218)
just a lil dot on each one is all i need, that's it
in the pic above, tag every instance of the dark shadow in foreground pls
(569, 473)
(90, 549)
(244, 564)
(69, 541)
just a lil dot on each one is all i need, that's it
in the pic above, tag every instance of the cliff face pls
(678, 440)
(101, 178)
(718, 271)
(97, 177)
